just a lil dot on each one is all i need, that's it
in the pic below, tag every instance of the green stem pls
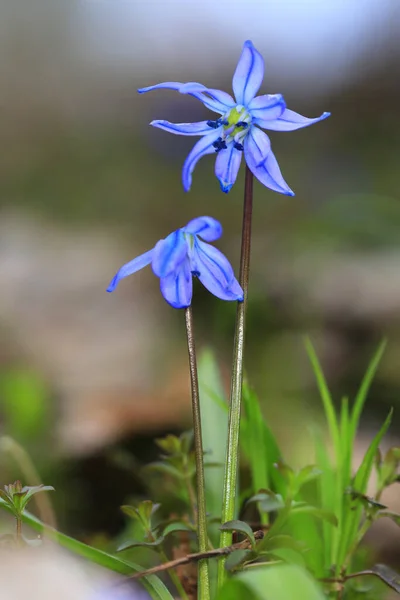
(204, 580)
(232, 452)
(172, 574)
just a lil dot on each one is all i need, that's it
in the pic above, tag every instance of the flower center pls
(236, 120)
(235, 124)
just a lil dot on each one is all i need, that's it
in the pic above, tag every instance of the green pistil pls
(238, 118)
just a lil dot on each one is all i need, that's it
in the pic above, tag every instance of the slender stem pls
(232, 453)
(204, 580)
(174, 577)
(19, 532)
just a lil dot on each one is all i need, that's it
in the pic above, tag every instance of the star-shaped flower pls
(237, 130)
(180, 256)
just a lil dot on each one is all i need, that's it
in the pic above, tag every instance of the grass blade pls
(325, 396)
(364, 388)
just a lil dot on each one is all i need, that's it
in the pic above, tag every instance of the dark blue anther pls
(238, 146)
(242, 124)
(213, 124)
(219, 144)
(196, 273)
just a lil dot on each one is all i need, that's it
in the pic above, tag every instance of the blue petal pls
(177, 287)
(201, 148)
(169, 253)
(207, 228)
(131, 267)
(169, 85)
(267, 107)
(248, 75)
(219, 101)
(227, 166)
(262, 162)
(215, 272)
(200, 128)
(290, 121)
(216, 100)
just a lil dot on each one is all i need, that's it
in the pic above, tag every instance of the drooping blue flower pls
(180, 256)
(237, 130)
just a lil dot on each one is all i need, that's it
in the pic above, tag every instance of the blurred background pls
(86, 185)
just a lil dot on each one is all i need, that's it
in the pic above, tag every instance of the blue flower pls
(237, 130)
(183, 254)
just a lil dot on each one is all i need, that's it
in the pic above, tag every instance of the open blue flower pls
(237, 130)
(180, 256)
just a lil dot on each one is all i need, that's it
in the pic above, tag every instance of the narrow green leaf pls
(329, 500)
(325, 396)
(214, 416)
(241, 527)
(364, 388)
(153, 584)
(176, 527)
(363, 474)
(259, 445)
(352, 515)
(132, 512)
(140, 543)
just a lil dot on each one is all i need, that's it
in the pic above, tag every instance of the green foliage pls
(276, 582)
(153, 584)
(17, 497)
(310, 521)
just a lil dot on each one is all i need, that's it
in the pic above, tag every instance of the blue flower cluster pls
(186, 252)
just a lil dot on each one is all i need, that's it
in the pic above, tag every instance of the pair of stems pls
(232, 453)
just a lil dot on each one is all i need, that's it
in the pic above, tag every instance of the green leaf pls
(307, 474)
(325, 396)
(275, 582)
(353, 516)
(268, 501)
(364, 471)
(283, 541)
(364, 388)
(153, 584)
(177, 526)
(146, 510)
(140, 543)
(319, 513)
(165, 468)
(214, 417)
(30, 491)
(329, 500)
(237, 558)
(289, 555)
(171, 444)
(259, 444)
(241, 527)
